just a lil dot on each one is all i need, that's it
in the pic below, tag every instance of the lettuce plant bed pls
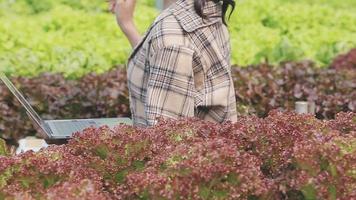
(258, 89)
(283, 156)
(76, 37)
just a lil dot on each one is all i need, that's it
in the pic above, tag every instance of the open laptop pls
(60, 129)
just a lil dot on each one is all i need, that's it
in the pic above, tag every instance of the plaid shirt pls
(181, 68)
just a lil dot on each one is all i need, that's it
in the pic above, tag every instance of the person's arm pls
(124, 10)
(170, 87)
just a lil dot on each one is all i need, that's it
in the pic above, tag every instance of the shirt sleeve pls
(170, 87)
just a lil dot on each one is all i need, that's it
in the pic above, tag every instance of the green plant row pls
(75, 37)
(65, 37)
(290, 30)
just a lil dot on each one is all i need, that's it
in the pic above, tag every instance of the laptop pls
(60, 129)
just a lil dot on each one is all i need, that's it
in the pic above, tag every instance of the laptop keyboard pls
(68, 128)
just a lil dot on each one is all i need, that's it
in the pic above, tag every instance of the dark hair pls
(199, 5)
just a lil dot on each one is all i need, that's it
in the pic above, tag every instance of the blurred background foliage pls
(75, 37)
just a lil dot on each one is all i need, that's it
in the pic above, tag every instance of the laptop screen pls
(33, 114)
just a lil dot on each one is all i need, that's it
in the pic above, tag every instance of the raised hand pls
(123, 9)
(124, 12)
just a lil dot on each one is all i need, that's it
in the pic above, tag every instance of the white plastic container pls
(305, 107)
(30, 143)
(301, 107)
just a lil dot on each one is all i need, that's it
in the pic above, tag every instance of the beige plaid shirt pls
(181, 68)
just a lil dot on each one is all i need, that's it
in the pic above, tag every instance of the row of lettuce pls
(75, 37)
(259, 89)
(283, 156)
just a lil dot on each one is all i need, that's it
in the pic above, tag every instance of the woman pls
(181, 66)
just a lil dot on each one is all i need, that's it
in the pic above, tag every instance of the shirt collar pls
(185, 13)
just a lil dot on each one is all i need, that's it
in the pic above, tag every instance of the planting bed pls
(284, 156)
(259, 89)
(76, 37)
